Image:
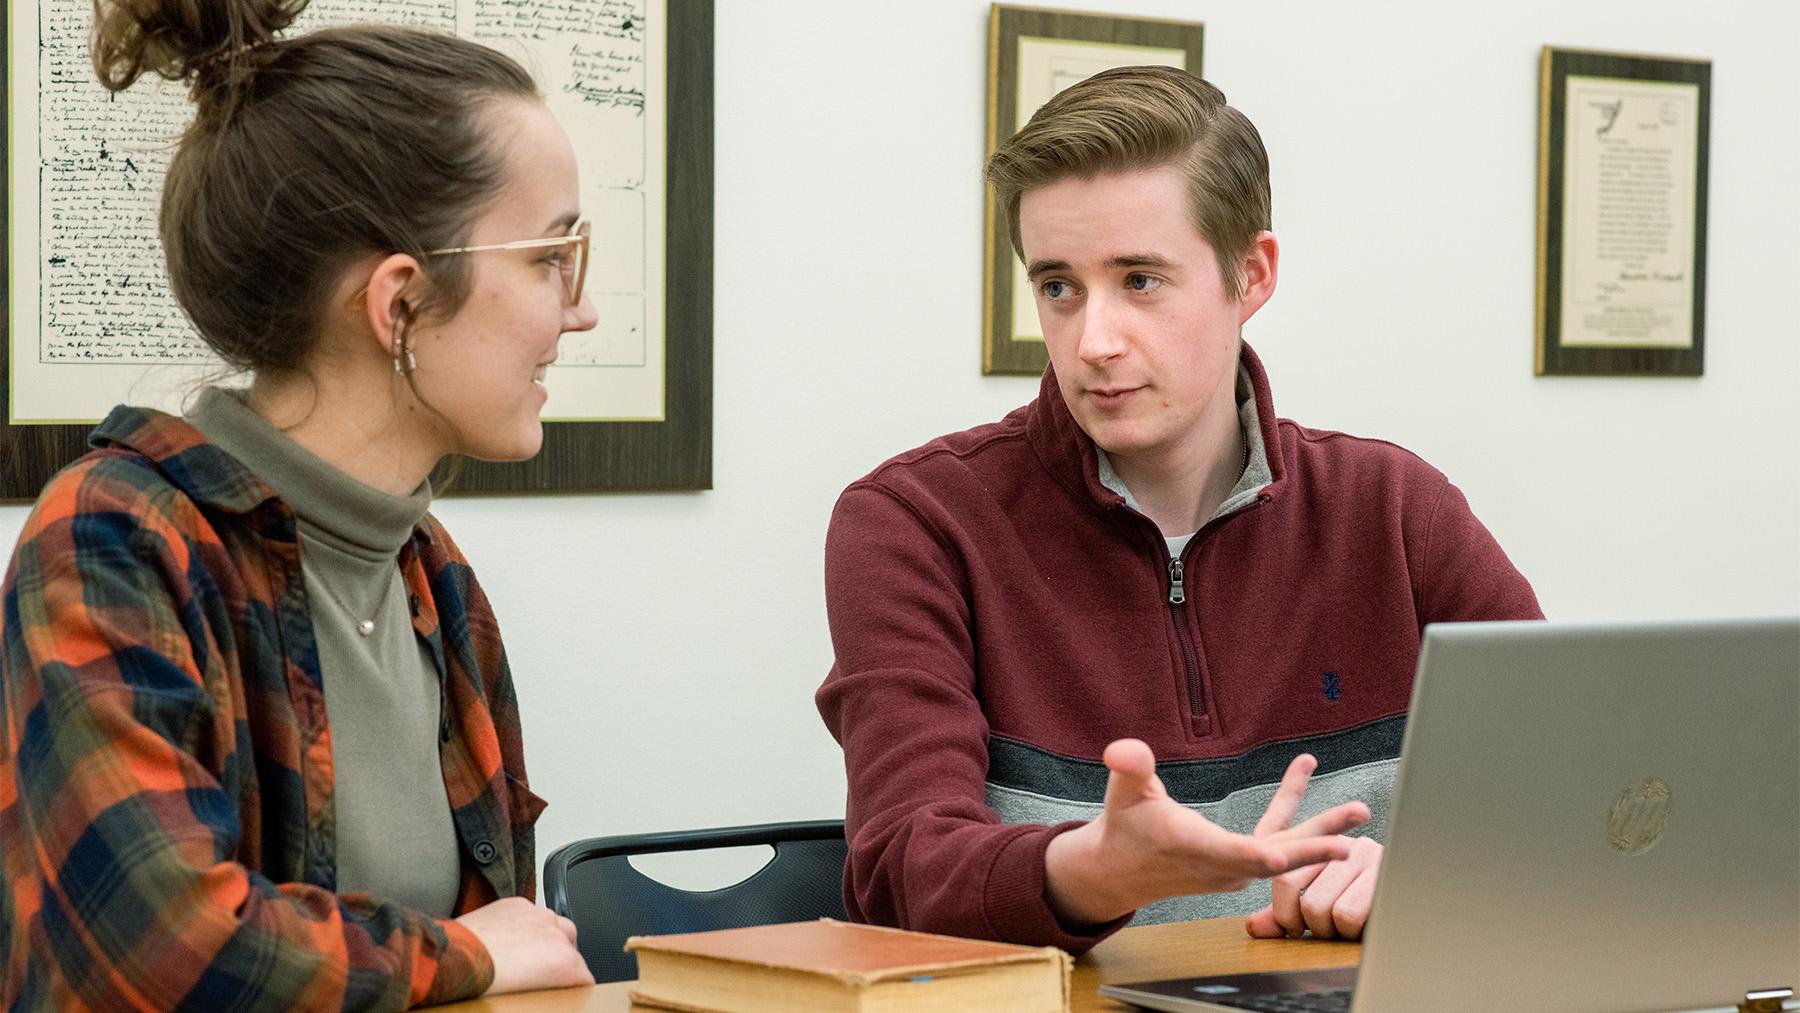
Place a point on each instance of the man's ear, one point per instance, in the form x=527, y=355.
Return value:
x=392, y=295
x=1257, y=272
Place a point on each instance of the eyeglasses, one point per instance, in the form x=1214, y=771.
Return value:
x=573, y=265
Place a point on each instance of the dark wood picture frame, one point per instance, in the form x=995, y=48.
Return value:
x=672, y=454
x=1552, y=356
x=1006, y=24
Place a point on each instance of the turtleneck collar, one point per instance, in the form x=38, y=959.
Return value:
x=356, y=518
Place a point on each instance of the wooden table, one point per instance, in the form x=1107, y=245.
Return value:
x=1215, y=946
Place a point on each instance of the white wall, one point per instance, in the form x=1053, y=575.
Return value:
x=667, y=646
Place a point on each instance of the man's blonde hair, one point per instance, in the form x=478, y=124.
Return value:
x=1133, y=118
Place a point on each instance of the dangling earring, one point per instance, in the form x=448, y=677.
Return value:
x=404, y=363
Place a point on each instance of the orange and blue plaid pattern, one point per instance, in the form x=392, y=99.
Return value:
x=166, y=781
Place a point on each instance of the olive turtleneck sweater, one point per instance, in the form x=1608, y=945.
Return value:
x=394, y=832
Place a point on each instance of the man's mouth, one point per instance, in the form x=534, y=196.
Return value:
x=1108, y=397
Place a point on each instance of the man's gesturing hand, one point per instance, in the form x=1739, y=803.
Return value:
x=1145, y=846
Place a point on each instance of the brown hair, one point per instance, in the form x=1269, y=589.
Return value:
x=306, y=153
x=1132, y=118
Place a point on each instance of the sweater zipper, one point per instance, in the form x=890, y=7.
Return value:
x=1178, y=616
x=1190, y=658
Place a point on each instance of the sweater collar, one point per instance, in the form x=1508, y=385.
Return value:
x=1069, y=455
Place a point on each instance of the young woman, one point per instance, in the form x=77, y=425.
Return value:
x=261, y=747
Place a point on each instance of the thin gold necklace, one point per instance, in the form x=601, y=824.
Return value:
x=366, y=627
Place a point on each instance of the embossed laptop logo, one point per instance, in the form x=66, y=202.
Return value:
x=1639, y=816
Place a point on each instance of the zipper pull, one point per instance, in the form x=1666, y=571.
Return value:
x=1177, y=592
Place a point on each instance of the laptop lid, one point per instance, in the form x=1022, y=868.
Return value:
x=1593, y=816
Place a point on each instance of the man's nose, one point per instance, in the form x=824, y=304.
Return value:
x=1102, y=337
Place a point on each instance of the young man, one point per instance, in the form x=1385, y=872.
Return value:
x=1089, y=655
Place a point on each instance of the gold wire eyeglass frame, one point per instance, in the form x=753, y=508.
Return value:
x=574, y=270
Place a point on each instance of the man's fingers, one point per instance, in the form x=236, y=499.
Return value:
x=1321, y=896
x=1287, y=797
x=1228, y=863
x=1293, y=854
x=1133, y=773
x=1262, y=925
x=1286, y=890
x=1335, y=820
x=1351, y=914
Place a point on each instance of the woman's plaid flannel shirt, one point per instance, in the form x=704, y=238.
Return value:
x=166, y=816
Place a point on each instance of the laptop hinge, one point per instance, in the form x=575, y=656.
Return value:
x=1765, y=1000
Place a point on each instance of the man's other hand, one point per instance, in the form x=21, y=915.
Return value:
x=1332, y=899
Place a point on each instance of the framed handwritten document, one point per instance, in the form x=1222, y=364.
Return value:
x=1034, y=53
x=1622, y=154
x=91, y=322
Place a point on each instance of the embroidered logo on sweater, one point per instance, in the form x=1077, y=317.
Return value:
x=1333, y=689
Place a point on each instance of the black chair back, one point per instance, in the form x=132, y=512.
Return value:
x=592, y=883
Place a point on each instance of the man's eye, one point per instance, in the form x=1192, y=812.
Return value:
x=1142, y=283
x=1055, y=289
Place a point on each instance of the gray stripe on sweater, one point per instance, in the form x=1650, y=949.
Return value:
x=1016, y=764
x=1372, y=783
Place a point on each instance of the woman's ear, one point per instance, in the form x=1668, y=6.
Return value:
x=392, y=293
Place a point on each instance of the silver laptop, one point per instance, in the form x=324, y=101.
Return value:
x=1587, y=817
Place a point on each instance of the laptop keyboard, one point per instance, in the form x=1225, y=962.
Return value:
x=1331, y=1000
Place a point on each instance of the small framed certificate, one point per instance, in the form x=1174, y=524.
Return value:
x=1032, y=55
x=1622, y=150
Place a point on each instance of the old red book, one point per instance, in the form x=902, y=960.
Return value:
x=830, y=966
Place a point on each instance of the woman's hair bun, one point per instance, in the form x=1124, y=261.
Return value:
x=182, y=40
